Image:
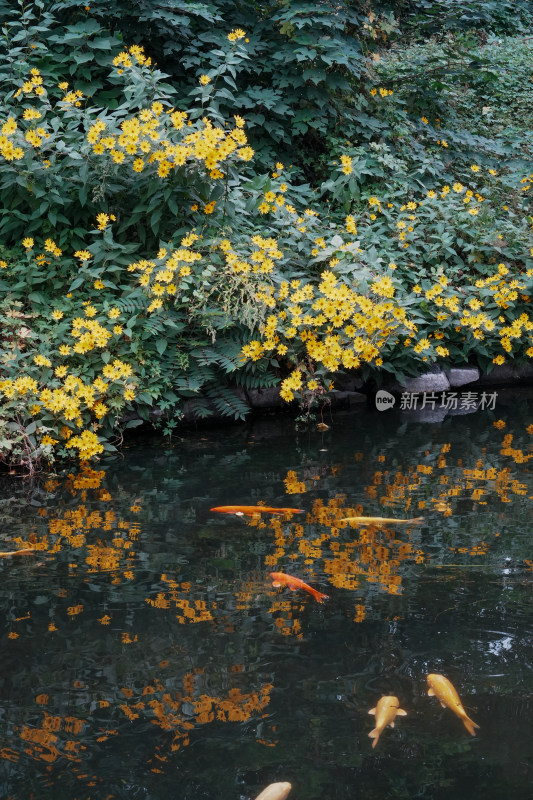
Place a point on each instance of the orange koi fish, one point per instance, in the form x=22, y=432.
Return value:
x=282, y=579
x=249, y=511
x=275, y=791
x=382, y=521
x=441, y=688
x=387, y=709
x=25, y=552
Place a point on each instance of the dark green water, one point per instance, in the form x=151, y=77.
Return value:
x=145, y=653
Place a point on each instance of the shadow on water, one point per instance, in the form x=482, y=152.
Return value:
x=146, y=653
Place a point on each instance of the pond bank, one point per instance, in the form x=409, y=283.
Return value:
x=439, y=391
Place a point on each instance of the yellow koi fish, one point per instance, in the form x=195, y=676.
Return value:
x=276, y=791
x=382, y=521
x=387, y=709
x=249, y=511
x=26, y=552
x=441, y=688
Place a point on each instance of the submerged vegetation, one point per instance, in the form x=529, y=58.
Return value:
x=182, y=219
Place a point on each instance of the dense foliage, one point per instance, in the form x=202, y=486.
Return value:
x=250, y=195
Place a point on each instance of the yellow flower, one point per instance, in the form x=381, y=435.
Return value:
x=27, y=243
x=83, y=255
x=205, y=79
x=102, y=220
x=236, y=34
x=57, y=314
x=42, y=361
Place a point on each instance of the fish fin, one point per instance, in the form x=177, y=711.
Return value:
x=276, y=583
x=443, y=704
x=372, y=711
x=292, y=588
x=431, y=693
x=469, y=725
x=239, y=514
x=375, y=736
x=391, y=724
x=401, y=713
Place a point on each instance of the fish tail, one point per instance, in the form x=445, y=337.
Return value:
x=320, y=596
x=375, y=734
x=469, y=724
x=417, y=520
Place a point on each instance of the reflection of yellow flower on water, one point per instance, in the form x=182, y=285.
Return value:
x=293, y=485
x=499, y=424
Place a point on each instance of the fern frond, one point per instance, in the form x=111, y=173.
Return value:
x=227, y=402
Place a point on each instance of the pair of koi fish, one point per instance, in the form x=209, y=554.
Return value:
x=388, y=707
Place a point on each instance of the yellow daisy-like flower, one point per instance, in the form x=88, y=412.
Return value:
x=102, y=220
x=83, y=255
x=205, y=79
x=42, y=361
x=57, y=314
x=28, y=243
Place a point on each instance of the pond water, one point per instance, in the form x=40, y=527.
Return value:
x=146, y=654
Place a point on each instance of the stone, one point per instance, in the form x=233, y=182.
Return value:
x=506, y=374
x=434, y=381
x=459, y=376
x=265, y=398
x=348, y=383
x=347, y=398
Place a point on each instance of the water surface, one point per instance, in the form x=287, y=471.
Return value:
x=146, y=654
